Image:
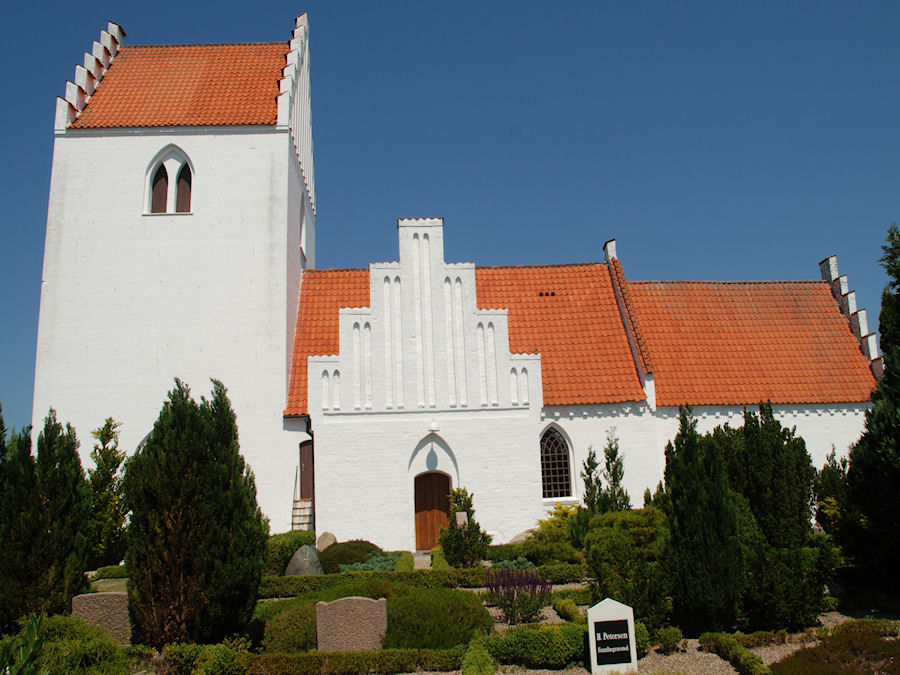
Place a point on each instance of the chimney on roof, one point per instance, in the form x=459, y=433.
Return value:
x=609, y=250
x=846, y=299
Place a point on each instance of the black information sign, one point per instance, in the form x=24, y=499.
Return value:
x=612, y=642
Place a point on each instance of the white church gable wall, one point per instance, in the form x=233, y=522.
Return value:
x=131, y=300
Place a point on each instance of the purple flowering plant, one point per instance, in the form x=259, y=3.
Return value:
x=519, y=594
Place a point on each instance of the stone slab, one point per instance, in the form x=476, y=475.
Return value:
x=304, y=561
x=325, y=540
x=108, y=610
x=351, y=624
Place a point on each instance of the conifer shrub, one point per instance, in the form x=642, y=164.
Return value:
x=627, y=553
x=377, y=562
x=498, y=552
x=520, y=563
x=346, y=553
x=108, y=511
x=641, y=639
x=197, y=538
x=463, y=545
x=478, y=660
x=669, y=639
x=281, y=547
x=540, y=645
x=549, y=543
x=727, y=647
x=72, y=645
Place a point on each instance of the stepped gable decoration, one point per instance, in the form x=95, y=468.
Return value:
x=294, y=103
x=88, y=76
x=840, y=289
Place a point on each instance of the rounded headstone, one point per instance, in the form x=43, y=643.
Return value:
x=304, y=561
x=325, y=540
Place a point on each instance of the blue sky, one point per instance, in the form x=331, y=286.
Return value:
x=712, y=140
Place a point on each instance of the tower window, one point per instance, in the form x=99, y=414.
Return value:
x=183, y=191
x=160, y=190
x=555, y=465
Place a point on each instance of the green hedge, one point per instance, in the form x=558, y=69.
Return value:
x=568, y=610
x=417, y=617
x=288, y=587
x=405, y=563
x=504, y=552
x=540, y=645
x=351, y=663
x=478, y=660
x=346, y=553
x=727, y=646
x=111, y=572
x=280, y=548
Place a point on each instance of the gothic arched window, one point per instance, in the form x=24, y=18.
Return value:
x=169, y=182
x=183, y=191
x=555, y=475
x=160, y=190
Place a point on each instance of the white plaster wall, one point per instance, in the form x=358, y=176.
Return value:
x=130, y=301
x=366, y=464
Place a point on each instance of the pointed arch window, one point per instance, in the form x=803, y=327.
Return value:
x=183, y=191
x=159, y=190
x=555, y=474
x=169, y=182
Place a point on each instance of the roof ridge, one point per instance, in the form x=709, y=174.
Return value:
x=640, y=350
x=210, y=44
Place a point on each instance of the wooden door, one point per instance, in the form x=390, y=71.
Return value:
x=307, y=471
x=432, y=508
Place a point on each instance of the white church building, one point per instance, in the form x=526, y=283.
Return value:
x=181, y=243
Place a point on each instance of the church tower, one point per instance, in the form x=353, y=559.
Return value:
x=181, y=216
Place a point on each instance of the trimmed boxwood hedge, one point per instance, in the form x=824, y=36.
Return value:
x=287, y=587
x=727, y=646
x=351, y=663
x=111, y=572
x=540, y=645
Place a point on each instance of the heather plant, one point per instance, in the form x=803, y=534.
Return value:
x=519, y=594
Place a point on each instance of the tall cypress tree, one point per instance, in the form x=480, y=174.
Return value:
x=107, y=504
x=196, y=537
x=874, y=472
x=706, y=557
x=65, y=515
x=20, y=528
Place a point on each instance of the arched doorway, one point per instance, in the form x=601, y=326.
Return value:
x=432, y=491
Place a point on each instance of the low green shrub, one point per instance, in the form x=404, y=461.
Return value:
x=478, y=660
x=563, y=573
x=669, y=639
x=519, y=594
x=352, y=663
x=762, y=637
x=727, y=647
x=377, y=562
x=288, y=587
x=438, y=561
x=230, y=657
x=72, y=645
x=568, y=610
x=641, y=639
x=549, y=544
x=540, y=645
x=18, y=653
x=438, y=618
x=503, y=552
x=111, y=572
x=870, y=625
x=346, y=553
x=280, y=548
x=580, y=596
x=179, y=658
x=405, y=563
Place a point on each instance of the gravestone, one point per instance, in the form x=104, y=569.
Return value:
x=350, y=624
x=107, y=610
x=611, y=637
x=304, y=561
x=325, y=540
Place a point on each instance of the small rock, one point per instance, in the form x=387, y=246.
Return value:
x=325, y=540
x=522, y=536
x=304, y=561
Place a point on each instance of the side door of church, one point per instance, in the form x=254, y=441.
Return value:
x=432, y=508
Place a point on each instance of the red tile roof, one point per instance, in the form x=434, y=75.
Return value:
x=322, y=294
x=188, y=85
x=726, y=343
x=575, y=326
x=735, y=343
